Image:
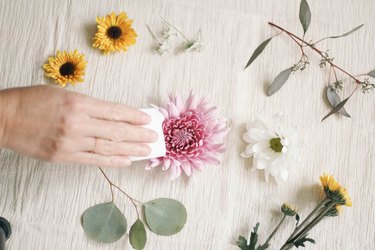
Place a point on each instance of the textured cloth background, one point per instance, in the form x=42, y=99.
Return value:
x=44, y=202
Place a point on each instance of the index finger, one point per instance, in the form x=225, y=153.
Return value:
x=116, y=112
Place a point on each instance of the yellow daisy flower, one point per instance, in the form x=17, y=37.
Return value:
x=114, y=33
x=66, y=67
x=288, y=209
x=335, y=191
x=334, y=211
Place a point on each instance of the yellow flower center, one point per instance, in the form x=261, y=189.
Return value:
x=67, y=69
x=114, y=32
x=275, y=144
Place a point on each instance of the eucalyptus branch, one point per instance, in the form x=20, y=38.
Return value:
x=311, y=46
x=122, y=191
x=333, y=98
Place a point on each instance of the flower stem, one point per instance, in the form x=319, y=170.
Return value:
x=153, y=35
x=296, y=39
x=303, y=223
x=275, y=230
x=313, y=223
x=287, y=246
x=170, y=25
x=111, y=184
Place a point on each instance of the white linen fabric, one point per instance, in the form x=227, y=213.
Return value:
x=44, y=202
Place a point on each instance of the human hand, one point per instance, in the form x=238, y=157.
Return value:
x=56, y=125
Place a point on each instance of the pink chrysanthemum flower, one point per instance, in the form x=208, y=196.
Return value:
x=192, y=136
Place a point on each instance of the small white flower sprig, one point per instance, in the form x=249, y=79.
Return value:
x=274, y=147
x=169, y=36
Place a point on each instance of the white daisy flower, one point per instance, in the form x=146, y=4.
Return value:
x=274, y=147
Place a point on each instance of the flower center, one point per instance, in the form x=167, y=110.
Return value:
x=67, y=69
x=114, y=32
x=275, y=144
x=184, y=135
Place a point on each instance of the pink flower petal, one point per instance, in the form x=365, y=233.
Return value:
x=193, y=136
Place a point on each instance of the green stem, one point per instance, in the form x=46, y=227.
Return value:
x=313, y=223
x=275, y=230
x=153, y=35
x=303, y=223
x=170, y=25
x=287, y=246
x=110, y=183
x=122, y=191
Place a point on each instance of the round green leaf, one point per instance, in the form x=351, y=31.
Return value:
x=165, y=216
x=137, y=235
x=104, y=222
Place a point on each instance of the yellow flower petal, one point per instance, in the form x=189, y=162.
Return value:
x=117, y=41
x=73, y=63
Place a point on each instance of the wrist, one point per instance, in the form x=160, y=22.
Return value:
x=6, y=113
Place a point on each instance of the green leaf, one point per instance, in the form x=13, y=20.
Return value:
x=371, y=73
x=297, y=219
x=137, y=235
x=244, y=245
x=347, y=33
x=254, y=236
x=336, y=108
x=279, y=81
x=300, y=242
x=304, y=15
x=263, y=247
x=165, y=216
x=104, y=222
x=334, y=100
x=257, y=51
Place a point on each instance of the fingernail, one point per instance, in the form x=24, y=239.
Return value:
x=144, y=150
x=154, y=136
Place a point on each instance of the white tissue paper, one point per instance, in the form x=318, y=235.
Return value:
x=157, y=148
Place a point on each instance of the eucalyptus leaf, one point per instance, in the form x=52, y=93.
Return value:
x=371, y=73
x=165, y=216
x=279, y=81
x=257, y=51
x=334, y=100
x=137, y=235
x=304, y=15
x=336, y=108
x=104, y=222
x=345, y=34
